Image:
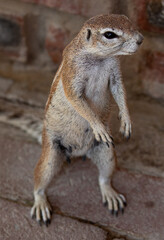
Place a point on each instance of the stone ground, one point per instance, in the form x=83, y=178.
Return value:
x=78, y=212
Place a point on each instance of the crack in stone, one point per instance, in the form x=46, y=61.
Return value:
x=111, y=234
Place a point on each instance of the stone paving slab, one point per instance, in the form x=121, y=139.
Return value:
x=76, y=192
x=17, y=224
x=18, y=156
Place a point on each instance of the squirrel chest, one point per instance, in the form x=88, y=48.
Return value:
x=97, y=83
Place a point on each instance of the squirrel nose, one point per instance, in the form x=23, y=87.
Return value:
x=140, y=40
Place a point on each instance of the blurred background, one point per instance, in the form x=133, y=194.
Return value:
x=33, y=34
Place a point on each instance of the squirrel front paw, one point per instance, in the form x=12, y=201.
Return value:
x=101, y=134
x=125, y=127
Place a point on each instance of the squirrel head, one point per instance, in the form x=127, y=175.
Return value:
x=110, y=35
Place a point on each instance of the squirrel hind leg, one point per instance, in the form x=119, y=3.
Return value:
x=105, y=159
x=48, y=166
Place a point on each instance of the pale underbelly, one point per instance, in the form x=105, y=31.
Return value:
x=72, y=130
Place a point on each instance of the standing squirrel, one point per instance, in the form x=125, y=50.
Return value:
x=77, y=112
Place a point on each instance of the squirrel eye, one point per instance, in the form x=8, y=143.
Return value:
x=110, y=35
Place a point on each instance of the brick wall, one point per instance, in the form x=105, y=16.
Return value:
x=33, y=34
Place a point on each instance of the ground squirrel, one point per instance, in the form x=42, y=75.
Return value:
x=77, y=112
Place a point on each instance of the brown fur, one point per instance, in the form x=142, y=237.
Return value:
x=52, y=91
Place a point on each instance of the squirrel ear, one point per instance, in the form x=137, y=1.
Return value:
x=88, y=34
